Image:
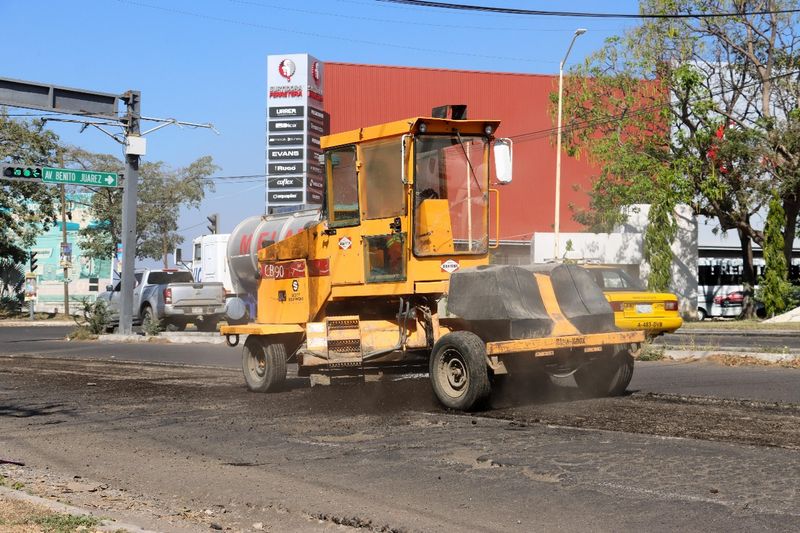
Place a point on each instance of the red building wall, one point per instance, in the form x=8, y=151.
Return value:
x=363, y=95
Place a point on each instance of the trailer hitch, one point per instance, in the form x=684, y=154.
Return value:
x=234, y=343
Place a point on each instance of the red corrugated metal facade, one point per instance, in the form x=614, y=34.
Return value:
x=362, y=95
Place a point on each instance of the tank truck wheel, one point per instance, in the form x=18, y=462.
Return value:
x=458, y=371
x=263, y=364
x=606, y=376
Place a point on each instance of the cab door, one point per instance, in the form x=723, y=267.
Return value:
x=342, y=238
x=384, y=217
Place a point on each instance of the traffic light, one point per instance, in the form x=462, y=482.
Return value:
x=213, y=227
x=33, y=261
x=22, y=172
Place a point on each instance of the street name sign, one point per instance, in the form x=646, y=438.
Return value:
x=80, y=177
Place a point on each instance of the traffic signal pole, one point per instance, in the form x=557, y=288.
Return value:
x=129, y=200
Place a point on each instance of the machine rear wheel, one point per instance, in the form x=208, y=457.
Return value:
x=263, y=364
x=606, y=376
x=458, y=371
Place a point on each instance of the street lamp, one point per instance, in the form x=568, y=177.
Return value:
x=557, y=224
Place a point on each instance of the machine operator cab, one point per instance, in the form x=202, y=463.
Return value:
x=407, y=203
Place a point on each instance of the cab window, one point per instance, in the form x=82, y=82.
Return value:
x=342, y=199
x=381, y=167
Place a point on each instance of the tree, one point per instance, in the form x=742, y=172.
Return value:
x=690, y=110
x=775, y=287
x=163, y=192
x=26, y=209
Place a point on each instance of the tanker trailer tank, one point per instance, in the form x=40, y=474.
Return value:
x=247, y=238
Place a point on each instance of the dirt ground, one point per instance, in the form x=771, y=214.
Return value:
x=189, y=449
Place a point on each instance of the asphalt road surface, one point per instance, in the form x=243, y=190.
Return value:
x=679, y=378
x=692, y=447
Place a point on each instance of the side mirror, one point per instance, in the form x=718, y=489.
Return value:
x=503, y=159
x=109, y=288
x=178, y=255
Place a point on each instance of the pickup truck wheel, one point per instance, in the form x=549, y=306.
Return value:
x=458, y=371
x=263, y=364
x=606, y=376
x=149, y=316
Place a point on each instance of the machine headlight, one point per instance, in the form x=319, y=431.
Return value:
x=488, y=129
x=423, y=127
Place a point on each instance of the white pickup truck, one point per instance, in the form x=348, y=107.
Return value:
x=171, y=297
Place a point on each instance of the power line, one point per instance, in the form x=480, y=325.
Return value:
x=351, y=17
x=579, y=14
x=324, y=36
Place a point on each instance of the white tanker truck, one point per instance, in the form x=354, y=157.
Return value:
x=242, y=255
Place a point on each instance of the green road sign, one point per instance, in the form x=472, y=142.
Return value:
x=80, y=177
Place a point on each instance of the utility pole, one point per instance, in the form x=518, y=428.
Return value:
x=64, y=245
x=129, y=200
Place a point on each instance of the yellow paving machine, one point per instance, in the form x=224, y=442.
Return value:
x=394, y=276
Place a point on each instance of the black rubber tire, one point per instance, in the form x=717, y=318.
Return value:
x=606, y=376
x=701, y=314
x=458, y=371
x=263, y=364
x=175, y=326
x=149, y=315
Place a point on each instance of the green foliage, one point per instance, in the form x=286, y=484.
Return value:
x=775, y=288
x=94, y=316
x=12, y=280
x=661, y=231
x=690, y=111
x=65, y=523
x=26, y=209
x=151, y=327
x=163, y=192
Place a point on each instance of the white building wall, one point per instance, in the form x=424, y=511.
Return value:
x=626, y=248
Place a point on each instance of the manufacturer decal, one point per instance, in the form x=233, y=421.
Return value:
x=295, y=285
x=345, y=243
x=450, y=266
x=286, y=69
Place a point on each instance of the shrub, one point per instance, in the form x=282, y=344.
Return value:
x=94, y=317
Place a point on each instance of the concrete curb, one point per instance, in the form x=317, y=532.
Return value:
x=35, y=323
x=167, y=337
x=739, y=333
x=105, y=524
x=683, y=355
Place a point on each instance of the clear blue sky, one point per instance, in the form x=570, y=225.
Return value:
x=205, y=61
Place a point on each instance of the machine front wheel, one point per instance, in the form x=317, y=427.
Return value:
x=606, y=376
x=458, y=371
x=263, y=364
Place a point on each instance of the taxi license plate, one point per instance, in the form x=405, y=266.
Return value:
x=197, y=310
x=644, y=308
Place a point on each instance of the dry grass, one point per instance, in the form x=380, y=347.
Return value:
x=740, y=325
x=23, y=517
x=737, y=360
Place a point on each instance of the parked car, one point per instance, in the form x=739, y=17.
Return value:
x=636, y=308
x=173, y=298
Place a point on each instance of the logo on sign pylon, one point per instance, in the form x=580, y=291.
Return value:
x=286, y=69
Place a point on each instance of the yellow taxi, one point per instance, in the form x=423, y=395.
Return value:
x=634, y=307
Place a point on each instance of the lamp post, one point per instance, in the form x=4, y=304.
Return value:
x=557, y=222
